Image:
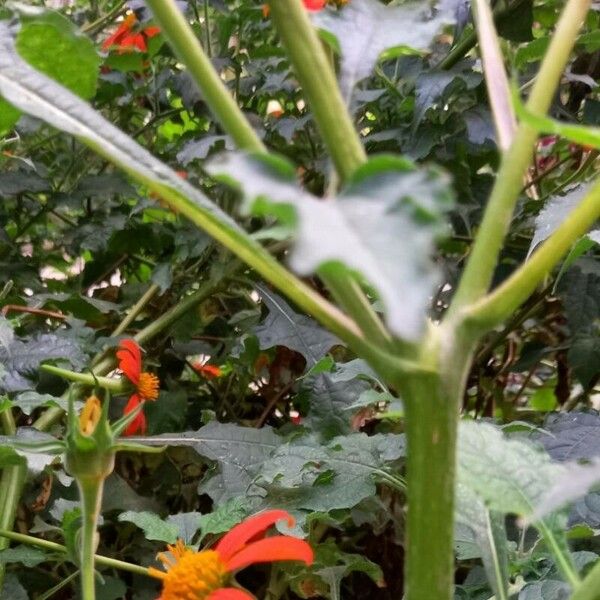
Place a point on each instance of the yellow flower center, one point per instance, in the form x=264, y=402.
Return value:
x=147, y=386
x=90, y=415
x=192, y=575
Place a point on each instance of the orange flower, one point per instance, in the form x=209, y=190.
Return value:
x=125, y=39
x=203, y=575
x=207, y=371
x=146, y=384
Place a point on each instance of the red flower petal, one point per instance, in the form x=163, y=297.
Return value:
x=279, y=547
x=138, y=425
x=314, y=4
x=230, y=594
x=241, y=534
x=133, y=40
x=117, y=37
x=130, y=360
x=152, y=31
x=208, y=371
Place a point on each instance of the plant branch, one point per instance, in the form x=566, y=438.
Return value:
x=501, y=303
x=319, y=83
x=105, y=561
x=317, y=78
x=480, y=267
x=589, y=589
x=189, y=50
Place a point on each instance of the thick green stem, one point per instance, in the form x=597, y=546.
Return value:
x=90, y=492
x=319, y=84
x=189, y=50
x=432, y=404
x=105, y=561
x=480, y=267
x=500, y=304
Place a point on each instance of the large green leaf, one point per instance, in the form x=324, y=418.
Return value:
x=53, y=45
x=305, y=475
x=285, y=327
x=238, y=451
x=364, y=29
x=383, y=225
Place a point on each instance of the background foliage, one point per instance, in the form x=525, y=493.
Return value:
x=291, y=419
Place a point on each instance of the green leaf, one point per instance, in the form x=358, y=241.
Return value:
x=509, y=475
x=187, y=525
x=153, y=526
x=226, y=516
x=238, y=451
x=545, y=590
x=331, y=404
x=384, y=226
x=543, y=399
x=51, y=44
x=553, y=214
x=305, y=475
x=29, y=401
x=26, y=555
x=364, y=29
x=284, y=327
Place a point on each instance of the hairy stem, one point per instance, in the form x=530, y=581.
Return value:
x=479, y=270
x=589, y=589
x=432, y=403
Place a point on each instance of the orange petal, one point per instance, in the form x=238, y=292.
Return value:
x=138, y=425
x=230, y=594
x=314, y=4
x=279, y=547
x=151, y=31
x=130, y=360
x=241, y=534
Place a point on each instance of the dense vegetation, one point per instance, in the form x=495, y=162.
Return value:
x=356, y=242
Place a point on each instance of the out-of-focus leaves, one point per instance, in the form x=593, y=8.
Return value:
x=545, y=590
x=364, y=29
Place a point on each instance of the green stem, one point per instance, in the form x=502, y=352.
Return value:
x=589, y=589
x=10, y=488
x=90, y=492
x=479, y=270
x=136, y=309
x=319, y=84
x=563, y=559
x=502, y=302
x=114, y=385
x=189, y=50
x=105, y=561
x=432, y=404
